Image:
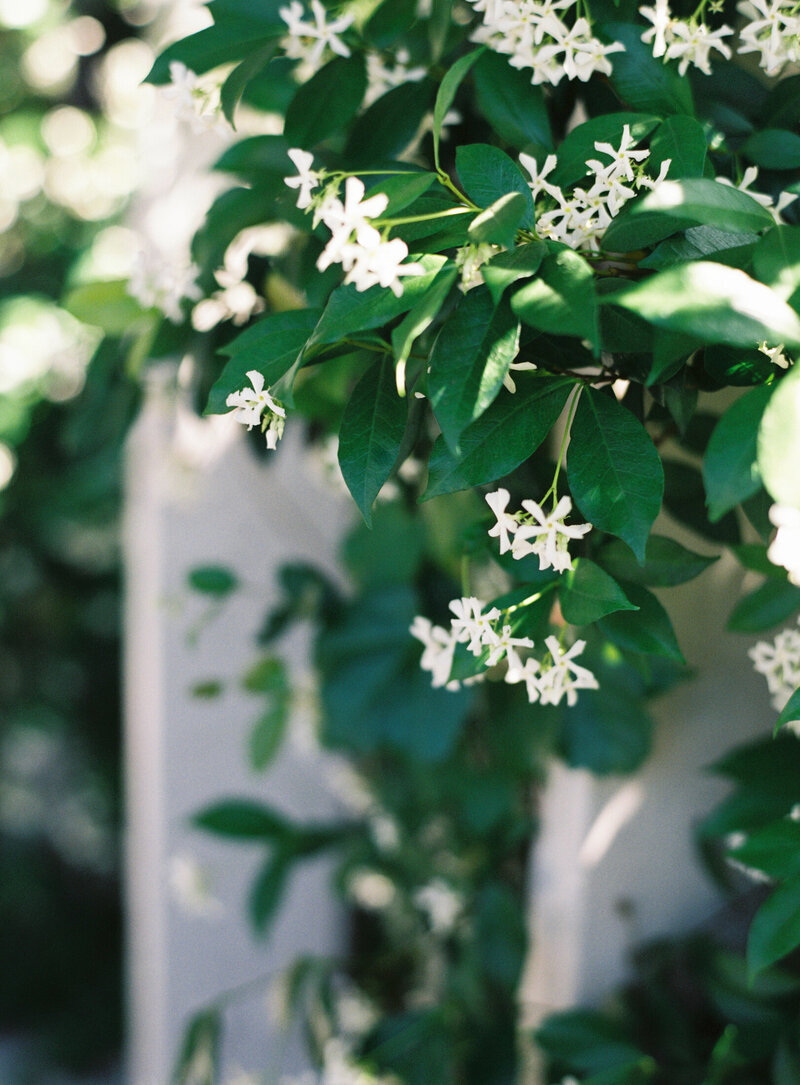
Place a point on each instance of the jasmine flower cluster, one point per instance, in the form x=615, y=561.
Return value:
x=533, y=34
x=580, y=218
x=533, y=531
x=779, y=661
x=548, y=680
x=256, y=407
x=688, y=41
x=365, y=253
x=311, y=41
x=773, y=31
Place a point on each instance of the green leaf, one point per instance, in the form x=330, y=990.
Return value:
x=685, y=499
x=498, y=224
x=767, y=606
x=666, y=562
x=508, y=267
x=782, y=107
x=267, y=733
x=271, y=346
x=419, y=319
x=650, y=630
x=715, y=303
x=606, y=731
x=267, y=891
x=615, y=473
x=403, y=189
x=233, y=212
x=268, y=675
x=234, y=86
x=737, y=366
x=774, y=149
x=213, y=580
x=643, y=81
x=682, y=139
x=487, y=173
x=383, y=131
x=242, y=819
x=373, y=425
x=753, y=556
x=469, y=360
x=199, y=1057
x=587, y=593
x=230, y=39
x=774, y=849
x=776, y=262
x=730, y=471
x=106, y=305
x=374, y=693
x=512, y=106
x=779, y=442
x=504, y=436
x=676, y=205
x=790, y=712
x=775, y=930
x=350, y=311
x=327, y=102
x=562, y=298
x=699, y=242
x=255, y=156
x=445, y=96
x=579, y=144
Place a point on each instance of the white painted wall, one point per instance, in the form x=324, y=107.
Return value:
x=197, y=496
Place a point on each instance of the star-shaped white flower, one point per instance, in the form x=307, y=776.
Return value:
x=251, y=403
x=306, y=180
x=506, y=524
x=564, y=677
x=550, y=533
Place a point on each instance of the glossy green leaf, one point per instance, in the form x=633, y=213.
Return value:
x=715, y=303
x=508, y=267
x=643, y=81
x=486, y=173
x=232, y=38
x=776, y=262
x=512, y=106
x=234, y=86
x=767, y=606
x=685, y=499
x=388, y=126
x=676, y=205
x=403, y=189
x=587, y=593
x=702, y=242
x=199, y=1057
x=614, y=470
x=730, y=471
x=267, y=734
x=774, y=849
x=561, y=299
x=419, y=319
x=267, y=891
x=682, y=140
x=790, y=713
x=737, y=366
x=242, y=819
x=773, y=149
x=255, y=156
x=498, y=224
x=666, y=562
x=606, y=731
x=648, y=630
x=579, y=144
x=445, y=96
x=372, y=429
x=775, y=930
x=504, y=436
x=271, y=346
x=469, y=360
x=753, y=556
x=106, y=305
x=350, y=311
x=327, y=102
x=782, y=107
x=779, y=442
x=213, y=580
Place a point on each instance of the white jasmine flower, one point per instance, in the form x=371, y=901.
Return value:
x=530, y=674
x=470, y=625
x=564, y=677
x=773, y=30
x=371, y=889
x=196, y=101
x=441, y=905
x=692, y=43
x=779, y=662
x=374, y=261
x=661, y=18
x=775, y=354
x=506, y=524
x=504, y=645
x=550, y=533
x=308, y=41
x=439, y=648
x=749, y=178
x=785, y=547
x=537, y=182
x=255, y=406
x=307, y=179
x=381, y=77
x=622, y=157
x=156, y=282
